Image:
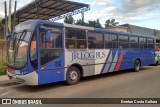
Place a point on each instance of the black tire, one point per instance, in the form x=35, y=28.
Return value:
x=156, y=64
x=72, y=76
x=137, y=65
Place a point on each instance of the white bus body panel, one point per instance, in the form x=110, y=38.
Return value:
x=92, y=61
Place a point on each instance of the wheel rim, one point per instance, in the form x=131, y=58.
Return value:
x=73, y=75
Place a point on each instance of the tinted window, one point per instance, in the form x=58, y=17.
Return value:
x=123, y=42
x=133, y=42
x=95, y=40
x=133, y=39
x=75, y=39
x=52, y=47
x=54, y=42
x=150, y=43
x=75, y=34
x=111, y=41
x=123, y=38
x=142, y=40
x=143, y=43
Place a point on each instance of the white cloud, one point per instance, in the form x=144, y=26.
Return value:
x=100, y=2
x=126, y=11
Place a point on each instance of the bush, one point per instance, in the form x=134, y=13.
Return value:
x=3, y=68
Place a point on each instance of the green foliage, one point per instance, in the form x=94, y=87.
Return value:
x=3, y=68
x=110, y=23
x=69, y=20
x=2, y=26
x=95, y=23
x=90, y=23
x=79, y=22
x=1, y=19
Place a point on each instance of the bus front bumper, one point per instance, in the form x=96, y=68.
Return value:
x=29, y=79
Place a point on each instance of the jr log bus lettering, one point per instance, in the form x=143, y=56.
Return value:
x=88, y=55
x=41, y=52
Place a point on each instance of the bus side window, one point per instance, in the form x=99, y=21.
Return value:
x=111, y=41
x=143, y=43
x=133, y=42
x=95, y=40
x=75, y=39
x=123, y=42
x=150, y=43
x=52, y=47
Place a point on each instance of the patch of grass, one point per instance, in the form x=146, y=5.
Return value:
x=3, y=68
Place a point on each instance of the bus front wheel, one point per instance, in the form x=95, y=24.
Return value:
x=137, y=65
x=72, y=76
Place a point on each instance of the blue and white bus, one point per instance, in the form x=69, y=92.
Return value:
x=41, y=52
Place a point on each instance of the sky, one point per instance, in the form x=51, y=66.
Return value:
x=145, y=13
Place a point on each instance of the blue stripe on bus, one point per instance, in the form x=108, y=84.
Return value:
x=113, y=54
x=105, y=62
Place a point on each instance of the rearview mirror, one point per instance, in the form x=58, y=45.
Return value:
x=8, y=36
x=48, y=36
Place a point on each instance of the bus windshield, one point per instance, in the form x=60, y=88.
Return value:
x=18, y=45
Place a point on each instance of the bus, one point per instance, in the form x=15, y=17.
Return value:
x=41, y=52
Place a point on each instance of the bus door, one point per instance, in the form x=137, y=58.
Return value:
x=51, y=54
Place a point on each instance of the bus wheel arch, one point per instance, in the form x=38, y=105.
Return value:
x=79, y=67
x=73, y=74
x=157, y=62
x=137, y=65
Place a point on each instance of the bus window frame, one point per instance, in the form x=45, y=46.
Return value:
x=39, y=44
x=91, y=40
x=65, y=38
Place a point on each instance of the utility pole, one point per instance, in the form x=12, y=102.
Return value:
x=6, y=24
x=82, y=18
x=9, y=16
x=15, y=6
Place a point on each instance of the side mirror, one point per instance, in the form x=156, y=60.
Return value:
x=48, y=36
x=8, y=36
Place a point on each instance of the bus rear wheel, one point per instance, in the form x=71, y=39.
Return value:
x=156, y=64
x=72, y=76
x=137, y=65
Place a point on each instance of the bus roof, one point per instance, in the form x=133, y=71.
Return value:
x=91, y=28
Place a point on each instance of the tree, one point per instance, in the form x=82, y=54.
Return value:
x=107, y=24
x=91, y=23
x=94, y=24
x=78, y=22
x=69, y=19
x=98, y=25
x=110, y=23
